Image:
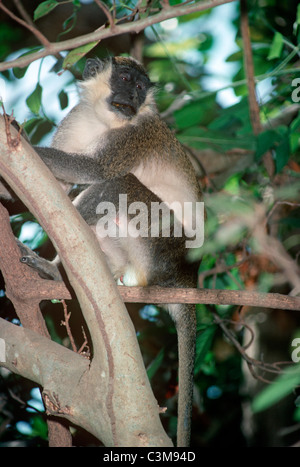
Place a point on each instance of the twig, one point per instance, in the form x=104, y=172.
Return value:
x=251, y=362
x=84, y=345
x=107, y=13
x=66, y=324
x=13, y=143
x=70, y=335
x=219, y=269
x=23, y=403
x=42, y=39
x=274, y=250
x=199, y=162
x=23, y=12
x=279, y=203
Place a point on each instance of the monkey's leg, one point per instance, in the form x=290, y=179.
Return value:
x=128, y=257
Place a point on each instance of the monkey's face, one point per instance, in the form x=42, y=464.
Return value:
x=119, y=85
x=129, y=88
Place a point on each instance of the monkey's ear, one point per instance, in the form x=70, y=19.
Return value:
x=92, y=67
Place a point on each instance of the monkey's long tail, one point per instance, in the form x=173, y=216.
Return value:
x=185, y=320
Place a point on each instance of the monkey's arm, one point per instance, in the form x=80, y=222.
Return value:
x=123, y=149
x=72, y=168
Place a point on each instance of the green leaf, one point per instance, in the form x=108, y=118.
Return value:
x=276, y=46
x=173, y=49
x=155, y=364
x=30, y=125
x=298, y=14
x=232, y=185
x=195, y=112
x=295, y=124
x=42, y=129
x=297, y=415
x=203, y=345
x=39, y=427
x=201, y=138
x=292, y=222
x=233, y=119
x=282, y=154
x=63, y=99
x=77, y=54
x=280, y=388
x=294, y=141
x=36, y=128
x=19, y=72
x=70, y=22
x=265, y=140
x=44, y=8
x=35, y=99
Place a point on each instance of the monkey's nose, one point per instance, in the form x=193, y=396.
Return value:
x=134, y=97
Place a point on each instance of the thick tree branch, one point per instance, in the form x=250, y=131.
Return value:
x=30, y=285
x=100, y=34
x=25, y=289
x=126, y=400
x=72, y=390
x=55, y=368
x=37, y=358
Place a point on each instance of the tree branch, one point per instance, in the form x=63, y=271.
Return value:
x=249, y=71
x=25, y=289
x=75, y=392
x=126, y=403
x=131, y=27
x=30, y=286
x=209, y=297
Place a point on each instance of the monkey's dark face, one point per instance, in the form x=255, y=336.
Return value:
x=129, y=85
x=126, y=80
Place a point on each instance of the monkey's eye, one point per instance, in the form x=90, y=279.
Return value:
x=125, y=77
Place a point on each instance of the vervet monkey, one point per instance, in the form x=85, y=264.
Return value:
x=115, y=142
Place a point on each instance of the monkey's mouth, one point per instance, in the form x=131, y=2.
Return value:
x=126, y=109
